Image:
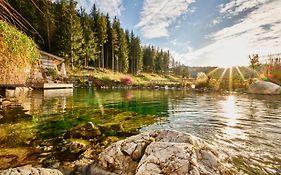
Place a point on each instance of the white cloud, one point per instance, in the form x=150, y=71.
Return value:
x=258, y=32
x=238, y=6
x=158, y=15
x=112, y=7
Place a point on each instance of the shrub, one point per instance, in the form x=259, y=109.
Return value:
x=273, y=73
x=127, y=80
x=201, y=80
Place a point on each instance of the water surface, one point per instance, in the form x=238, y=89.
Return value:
x=246, y=128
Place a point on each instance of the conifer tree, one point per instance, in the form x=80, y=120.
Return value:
x=90, y=45
x=123, y=52
x=102, y=37
x=108, y=44
x=68, y=36
x=89, y=39
x=115, y=45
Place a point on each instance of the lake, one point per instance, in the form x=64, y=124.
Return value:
x=246, y=128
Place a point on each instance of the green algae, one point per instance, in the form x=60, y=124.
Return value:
x=111, y=121
x=62, y=136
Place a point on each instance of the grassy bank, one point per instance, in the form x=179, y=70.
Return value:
x=109, y=78
x=18, y=52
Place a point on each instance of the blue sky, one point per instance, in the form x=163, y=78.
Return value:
x=202, y=32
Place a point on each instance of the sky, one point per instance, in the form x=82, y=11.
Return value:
x=201, y=32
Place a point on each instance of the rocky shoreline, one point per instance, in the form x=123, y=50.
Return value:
x=155, y=152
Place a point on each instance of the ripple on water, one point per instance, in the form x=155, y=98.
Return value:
x=245, y=127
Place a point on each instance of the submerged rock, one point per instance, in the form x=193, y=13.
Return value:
x=159, y=152
x=27, y=170
x=264, y=87
x=83, y=131
x=12, y=157
x=155, y=152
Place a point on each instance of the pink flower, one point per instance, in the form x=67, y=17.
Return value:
x=127, y=80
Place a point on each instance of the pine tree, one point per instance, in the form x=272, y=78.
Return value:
x=40, y=14
x=132, y=53
x=139, y=56
x=135, y=54
x=47, y=29
x=89, y=39
x=68, y=37
x=76, y=35
x=159, y=61
x=61, y=37
x=166, y=60
x=90, y=45
x=108, y=44
x=115, y=45
x=123, y=52
x=102, y=37
x=153, y=58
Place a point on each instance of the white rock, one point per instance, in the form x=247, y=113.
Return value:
x=161, y=152
x=27, y=170
x=264, y=87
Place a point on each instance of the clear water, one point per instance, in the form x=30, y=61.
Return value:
x=247, y=128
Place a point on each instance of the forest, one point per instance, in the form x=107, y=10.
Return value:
x=90, y=39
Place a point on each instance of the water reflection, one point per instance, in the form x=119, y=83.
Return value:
x=230, y=111
x=245, y=127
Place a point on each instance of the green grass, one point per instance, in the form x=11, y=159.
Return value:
x=142, y=79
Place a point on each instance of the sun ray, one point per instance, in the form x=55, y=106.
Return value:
x=213, y=71
x=100, y=103
x=221, y=77
x=230, y=81
x=240, y=73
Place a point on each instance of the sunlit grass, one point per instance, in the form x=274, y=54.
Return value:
x=221, y=77
x=213, y=71
x=240, y=73
x=230, y=79
x=139, y=79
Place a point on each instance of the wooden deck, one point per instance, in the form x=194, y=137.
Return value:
x=53, y=86
x=11, y=86
x=38, y=86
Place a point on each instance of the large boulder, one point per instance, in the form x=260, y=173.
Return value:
x=27, y=170
x=159, y=152
x=264, y=87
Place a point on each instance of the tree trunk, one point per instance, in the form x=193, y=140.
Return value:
x=102, y=58
x=112, y=62
x=116, y=61
x=86, y=61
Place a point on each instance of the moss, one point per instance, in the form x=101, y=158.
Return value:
x=18, y=53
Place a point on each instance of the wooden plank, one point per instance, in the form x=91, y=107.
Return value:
x=51, y=55
x=11, y=86
x=50, y=93
x=56, y=86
